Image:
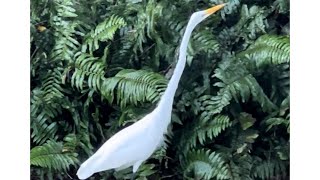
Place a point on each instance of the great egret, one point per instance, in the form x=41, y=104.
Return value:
x=134, y=144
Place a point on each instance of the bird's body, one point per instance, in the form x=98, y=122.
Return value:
x=129, y=147
x=134, y=144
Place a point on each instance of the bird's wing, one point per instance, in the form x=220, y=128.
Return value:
x=129, y=145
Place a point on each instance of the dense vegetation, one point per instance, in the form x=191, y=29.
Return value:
x=98, y=66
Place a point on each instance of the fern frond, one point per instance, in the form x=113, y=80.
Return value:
x=52, y=86
x=122, y=53
x=42, y=126
x=237, y=83
x=65, y=8
x=65, y=47
x=205, y=41
x=133, y=86
x=255, y=20
x=144, y=24
x=252, y=23
x=273, y=122
x=205, y=164
x=202, y=130
x=268, y=49
x=103, y=32
x=274, y=169
x=66, y=43
x=212, y=128
x=280, y=79
x=89, y=71
x=241, y=167
x=52, y=155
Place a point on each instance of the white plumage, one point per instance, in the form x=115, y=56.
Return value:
x=134, y=144
x=129, y=147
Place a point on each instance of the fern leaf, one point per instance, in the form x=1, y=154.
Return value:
x=64, y=31
x=241, y=167
x=237, y=82
x=133, y=86
x=205, y=165
x=52, y=155
x=52, y=86
x=203, y=132
x=270, y=169
x=89, y=71
x=273, y=122
x=268, y=49
x=42, y=126
x=205, y=41
x=103, y=32
x=213, y=128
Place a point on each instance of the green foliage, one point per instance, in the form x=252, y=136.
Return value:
x=88, y=70
x=202, y=131
x=53, y=155
x=144, y=171
x=205, y=165
x=104, y=31
x=237, y=82
x=63, y=27
x=268, y=50
x=131, y=86
x=269, y=170
x=98, y=66
x=42, y=114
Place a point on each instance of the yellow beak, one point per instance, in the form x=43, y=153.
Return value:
x=214, y=9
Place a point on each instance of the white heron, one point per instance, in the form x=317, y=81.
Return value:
x=134, y=144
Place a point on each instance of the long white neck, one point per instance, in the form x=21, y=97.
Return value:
x=168, y=96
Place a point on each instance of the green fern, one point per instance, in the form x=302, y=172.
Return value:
x=237, y=83
x=205, y=165
x=252, y=23
x=42, y=126
x=214, y=128
x=205, y=41
x=273, y=122
x=280, y=118
x=51, y=86
x=144, y=172
x=268, y=49
x=89, y=71
x=64, y=32
x=280, y=82
x=46, y=106
x=240, y=167
x=203, y=131
x=65, y=9
x=104, y=31
x=202, y=41
x=270, y=170
x=53, y=156
x=145, y=23
x=129, y=86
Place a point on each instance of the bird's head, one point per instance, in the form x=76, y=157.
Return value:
x=199, y=16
